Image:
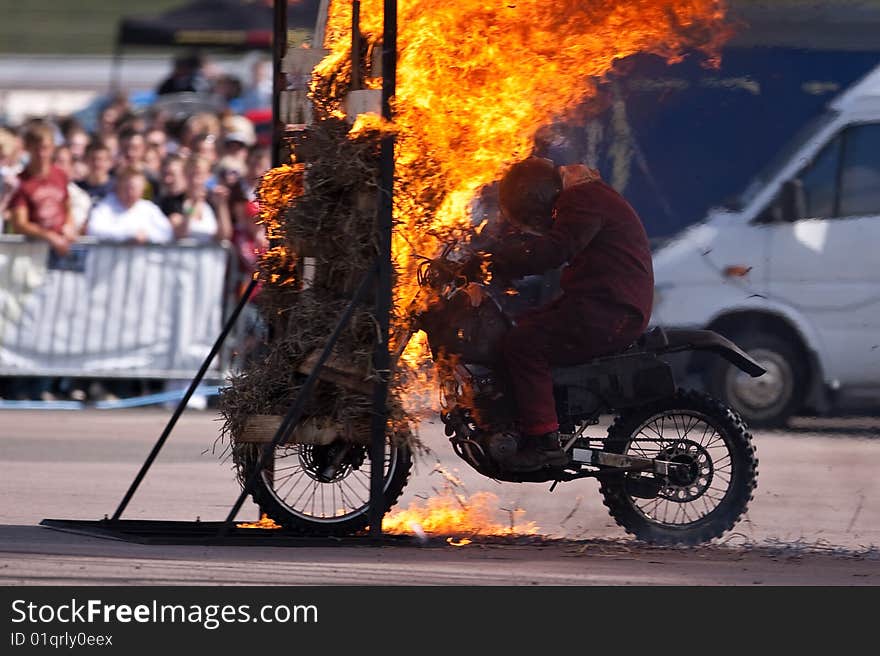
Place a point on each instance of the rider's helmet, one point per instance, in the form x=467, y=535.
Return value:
x=528, y=192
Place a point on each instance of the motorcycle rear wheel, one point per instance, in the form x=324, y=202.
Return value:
x=296, y=494
x=711, y=493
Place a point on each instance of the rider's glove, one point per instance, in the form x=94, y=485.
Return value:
x=474, y=267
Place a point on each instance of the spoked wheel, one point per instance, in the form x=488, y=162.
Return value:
x=703, y=497
x=325, y=489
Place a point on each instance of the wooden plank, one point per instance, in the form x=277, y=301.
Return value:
x=339, y=372
x=261, y=429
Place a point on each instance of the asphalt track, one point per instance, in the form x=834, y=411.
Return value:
x=815, y=519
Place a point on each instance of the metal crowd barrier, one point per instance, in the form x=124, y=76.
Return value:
x=115, y=310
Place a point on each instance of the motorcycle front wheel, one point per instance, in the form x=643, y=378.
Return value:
x=702, y=499
x=324, y=490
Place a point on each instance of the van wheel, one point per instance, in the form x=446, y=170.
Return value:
x=769, y=400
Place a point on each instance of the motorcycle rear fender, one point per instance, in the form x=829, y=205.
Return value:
x=703, y=340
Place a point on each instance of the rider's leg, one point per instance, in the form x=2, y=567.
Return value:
x=528, y=365
x=565, y=333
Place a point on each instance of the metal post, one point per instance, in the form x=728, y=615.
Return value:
x=189, y=392
x=279, y=50
x=382, y=356
x=355, y=45
x=296, y=409
x=321, y=24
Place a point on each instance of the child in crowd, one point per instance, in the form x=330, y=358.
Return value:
x=98, y=182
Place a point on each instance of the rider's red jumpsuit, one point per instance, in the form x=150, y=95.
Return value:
x=607, y=285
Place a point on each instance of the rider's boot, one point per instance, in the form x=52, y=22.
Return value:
x=536, y=452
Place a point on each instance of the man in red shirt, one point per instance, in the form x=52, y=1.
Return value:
x=40, y=207
x=567, y=216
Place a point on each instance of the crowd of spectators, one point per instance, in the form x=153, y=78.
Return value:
x=138, y=175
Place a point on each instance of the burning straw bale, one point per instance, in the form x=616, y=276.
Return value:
x=321, y=210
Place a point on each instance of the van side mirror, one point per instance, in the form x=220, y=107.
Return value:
x=792, y=201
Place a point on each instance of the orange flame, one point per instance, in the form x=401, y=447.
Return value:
x=450, y=514
x=265, y=522
x=278, y=188
x=452, y=511
x=476, y=80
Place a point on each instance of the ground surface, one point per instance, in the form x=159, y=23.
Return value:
x=815, y=518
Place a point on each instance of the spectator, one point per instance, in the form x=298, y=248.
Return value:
x=162, y=120
x=227, y=88
x=111, y=142
x=80, y=201
x=153, y=168
x=172, y=185
x=132, y=147
x=111, y=117
x=238, y=135
x=259, y=160
x=41, y=205
x=125, y=216
x=231, y=173
x=187, y=75
x=228, y=181
x=132, y=154
x=198, y=218
x=249, y=235
x=40, y=209
x=77, y=139
x=98, y=183
x=257, y=93
x=157, y=140
x=10, y=168
x=197, y=125
x=134, y=123
x=204, y=147
x=249, y=238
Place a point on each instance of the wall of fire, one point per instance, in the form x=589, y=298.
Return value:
x=679, y=139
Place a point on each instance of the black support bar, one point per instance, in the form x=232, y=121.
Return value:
x=382, y=356
x=279, y=79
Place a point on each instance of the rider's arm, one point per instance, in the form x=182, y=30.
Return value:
x=577, y=222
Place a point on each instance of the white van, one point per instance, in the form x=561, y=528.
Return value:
x=791, y=273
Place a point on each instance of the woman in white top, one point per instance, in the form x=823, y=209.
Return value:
x=198, y=218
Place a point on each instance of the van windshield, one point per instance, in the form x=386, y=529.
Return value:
x=772, y=168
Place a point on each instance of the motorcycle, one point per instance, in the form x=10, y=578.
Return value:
x=675, y=466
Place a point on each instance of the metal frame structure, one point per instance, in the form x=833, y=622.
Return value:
x=381, y=272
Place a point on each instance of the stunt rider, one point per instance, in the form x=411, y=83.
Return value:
x=567, y=216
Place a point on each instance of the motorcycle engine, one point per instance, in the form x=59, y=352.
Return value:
x=481, y=395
